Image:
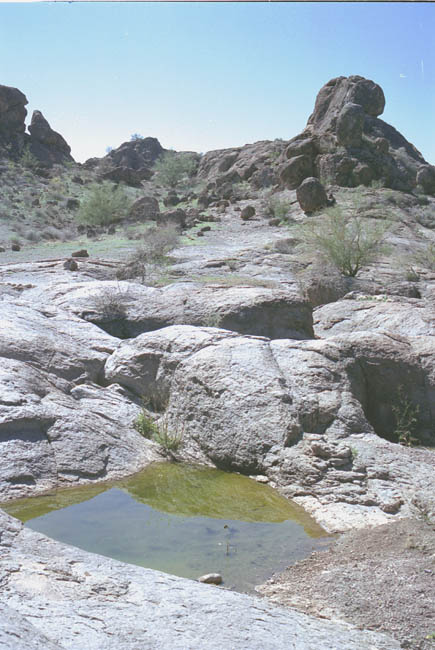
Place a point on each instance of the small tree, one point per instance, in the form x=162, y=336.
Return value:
x=173, y=168
x=136, y=136
x=104, y=204
x=347, y=243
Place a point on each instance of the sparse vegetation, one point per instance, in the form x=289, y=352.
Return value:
x=406, y=416
x=425, y=256
x=346, y=243
x=173, y=168
x=160, y=432
x=111, y=304
x=278, y=207
x=156, y=243
x=103, y=205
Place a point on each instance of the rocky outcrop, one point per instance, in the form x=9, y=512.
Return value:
x=85, y=600
x=54, y=434
x=47, y=145
x=44, y=144
x=130, y=163
x=12, y=115
x=361, y=312
x=345, y=143
x=53, y=340
x=255, y=163
x=304, y=413
x=261, y=311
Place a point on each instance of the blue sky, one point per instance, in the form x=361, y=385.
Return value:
x=202, y=76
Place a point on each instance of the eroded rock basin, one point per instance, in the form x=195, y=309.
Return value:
x=183, y=520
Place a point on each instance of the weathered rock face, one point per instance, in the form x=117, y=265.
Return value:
x=85, y=600
x=360, y=312
x=12, y=111
x=47, y=145
x=53, y=340
x=12, y=115
x=255, y=163
x=247, y=310
x=295, y=410
x=54, y=434
x=345, y=143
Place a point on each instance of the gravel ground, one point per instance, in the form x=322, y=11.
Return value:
x=380, y=578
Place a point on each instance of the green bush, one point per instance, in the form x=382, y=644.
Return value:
x=104, y=204
x=145, y=425
x=28, y=160
x=172, y=168
x=347, y=243
x=278, y=208
x=160, y=433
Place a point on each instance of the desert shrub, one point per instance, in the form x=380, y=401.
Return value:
x=28, y=160
x=111, y=304
x=426, y=217
x=104, y=204
x=172, y=168
x=152, y=251
x=32, y=235
x=346, y=243
x=278, y=207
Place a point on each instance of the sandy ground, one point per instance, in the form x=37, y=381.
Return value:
x=380, y=578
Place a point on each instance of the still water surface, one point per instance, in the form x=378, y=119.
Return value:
x=182, y=520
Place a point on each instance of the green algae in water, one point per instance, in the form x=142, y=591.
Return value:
x=182, y=520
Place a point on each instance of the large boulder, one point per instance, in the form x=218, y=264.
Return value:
x=350, y=125
x=311, y=195
x=361, y=312
x=144, y=208
x=295, y=171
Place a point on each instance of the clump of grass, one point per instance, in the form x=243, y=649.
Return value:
x=145, y=425
x=160, y=432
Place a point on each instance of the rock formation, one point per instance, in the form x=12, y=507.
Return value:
x=345, y=143
x=131, y=162
x=47, y=146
